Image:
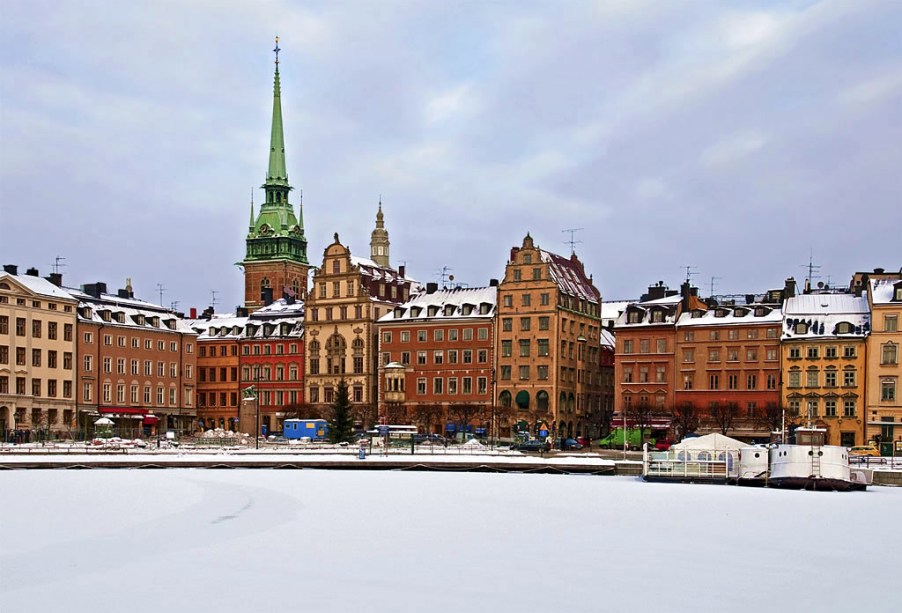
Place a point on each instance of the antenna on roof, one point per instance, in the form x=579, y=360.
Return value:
x=174, y=305
x=572, y=242
x=690, y=271
x=161, y=289
x=213, y=293
x=442, y=274
x=57, y=264
x=713, y=279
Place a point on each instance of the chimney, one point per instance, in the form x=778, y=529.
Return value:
x=514, y=252
x=750, y=298
x=789, y=289
x=207, y=314
x=11, y=269
x=94, y=289
x=493, y=282
x=123, y=293
x=32, y=272
x=56, y=278
x=879, y=271
x=241, y=311
x=685, y=292
x=192, y=313
x=267, y=296
x=402, y=269
x=431, y=288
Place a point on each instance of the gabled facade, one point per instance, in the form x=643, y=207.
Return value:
x=548, y=342
x=348, y=295
x=275, y=263
x=884, y=373
x=37, y=357
x=824, y=350
x=218, y=360
x=440, y=343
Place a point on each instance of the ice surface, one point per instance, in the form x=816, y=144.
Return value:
x=319, y=540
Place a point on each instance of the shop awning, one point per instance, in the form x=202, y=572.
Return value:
x=123, y=410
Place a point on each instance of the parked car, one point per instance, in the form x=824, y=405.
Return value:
x=663, y=444
x=864, y=451
x=583, y=440
x=569, y=444
x=533, y=445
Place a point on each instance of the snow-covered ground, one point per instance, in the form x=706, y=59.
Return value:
x=313, y=540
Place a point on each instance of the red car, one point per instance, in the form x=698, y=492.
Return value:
x=664, y=444
x=582, y=440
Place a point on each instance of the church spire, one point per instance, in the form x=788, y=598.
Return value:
x=379, y=243
x=277, y=174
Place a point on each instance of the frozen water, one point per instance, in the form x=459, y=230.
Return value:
x=316, y=540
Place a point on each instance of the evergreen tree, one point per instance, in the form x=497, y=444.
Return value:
x=341, y=415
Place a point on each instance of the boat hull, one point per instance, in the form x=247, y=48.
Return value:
x=818, y=484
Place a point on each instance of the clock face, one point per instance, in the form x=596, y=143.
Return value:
x=264, y=229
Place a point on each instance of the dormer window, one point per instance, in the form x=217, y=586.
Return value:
x=120, y=317
x=844, y=327
x=398, y=312
x=720, y=313
x=657, y=316
x=105, y=315
x=760, y=312
x=467, y=309
x=415, y=311
x=449, y=310
x=155, y=322
x=801, y=328
x=432, y=311
x=740, y=313
x=484, y=308
x=696, y=314
x=212, y=331
x=236, y=330
x=633, y=317
x=897, y=292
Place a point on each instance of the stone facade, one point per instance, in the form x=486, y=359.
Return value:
x=884, y=373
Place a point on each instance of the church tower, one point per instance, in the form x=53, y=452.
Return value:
x=276, y=258
x=379, y=241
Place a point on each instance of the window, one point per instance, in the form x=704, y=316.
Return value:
x=795, y=378
x=20, y=356
x=660, y=374
x=889, y=354
x=421, y=357
x=437, y=385
x=643, y=374
x=688, y=355
x=542, y=373
x=644, y=345
x=714, y=355
x=543, y=346
x=405, y=336
x=87, y=391
x=733, y=382
x=688, y=336
x=67, y=360
x=662, y=345
x=732, y=335
x=688, y=380
x=813, y=353
x=524, y=348
x=508, y=300
x=752, y=333
x=830, y=407
x=524, y=373
x=482, y=356
x=830, y=378
x=627, y=374
x=89, y=363
x=890, y=323
x=812, y=407
x=811, y=378
x=848, y=378
x=452, y=334
x=505, y=373
x=438, y=357
x=714, y=382
x=67, y=332
x=627, y=346
x=507, y=324
x=438, y=335
x=830, y=352
x=888, y=390
x=752, y=382
x=35, y=357
x=795, y=352
x=36, y=328
x=421, y=336
x=770, y=354
x=386, y=337
x=751, y=355
x=468, y=334
x=732, y=355
x=849, y=351
x=468, y=356
x=89, y=337
x=771, y=381
x=4, y=324
x=526, y=300
x=524, y=324
x=714, y=335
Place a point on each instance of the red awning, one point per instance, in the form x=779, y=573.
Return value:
x=130, y=410
x=150, y=420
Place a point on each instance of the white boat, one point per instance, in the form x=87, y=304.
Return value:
x=810, y=464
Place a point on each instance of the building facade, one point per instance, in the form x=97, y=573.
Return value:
x=218, y=362
x=884, y=373
x=136, y=364
x=37, y=357
x=348, y=295
x=441, y=344
x=547, y=347
x=824, y=346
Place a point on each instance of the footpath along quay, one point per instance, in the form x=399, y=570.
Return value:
x=499, y=461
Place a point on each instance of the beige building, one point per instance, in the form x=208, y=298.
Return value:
x=823, y=364
x=884, y=407
x=347, y=297
x=37, y=355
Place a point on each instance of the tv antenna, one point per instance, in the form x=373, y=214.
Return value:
x=690, y=271
x=572, y=242
x=213, y=293
x=443, y=274
x=161, y=289
x=813, y=269
x=174, y=305
x=713, y=280
x=57, y=264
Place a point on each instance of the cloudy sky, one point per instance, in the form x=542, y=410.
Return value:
x=739, y=138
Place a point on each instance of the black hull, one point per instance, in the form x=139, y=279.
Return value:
x=818, y=484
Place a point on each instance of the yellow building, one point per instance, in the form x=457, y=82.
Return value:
x=884, y=407
x=823, y=364
x=348, y=295
x=37, y=355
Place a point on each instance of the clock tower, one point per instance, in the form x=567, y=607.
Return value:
x=276, y=257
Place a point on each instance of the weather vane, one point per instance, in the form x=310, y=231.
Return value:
x=276, y=50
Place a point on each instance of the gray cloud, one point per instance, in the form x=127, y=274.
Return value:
x=737, y=137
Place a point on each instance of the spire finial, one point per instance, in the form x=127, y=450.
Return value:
x=276, y=51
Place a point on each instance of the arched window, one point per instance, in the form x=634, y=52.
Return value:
x=313, y=347
x=357, y=346
x=542, y=400
x=522, y=399
x=264, y=283
x=336, y=348
x=504, y=399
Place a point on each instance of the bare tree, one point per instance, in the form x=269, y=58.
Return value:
x=686, y=419
x=641, y=416
x=364, y=416
x=426, y=416
x=724, y=414
x=396, y=413
x=466, y=413
x=302, y=410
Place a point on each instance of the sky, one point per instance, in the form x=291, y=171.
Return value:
x=742, y=139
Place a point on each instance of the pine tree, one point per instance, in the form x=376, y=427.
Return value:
x=340, y=430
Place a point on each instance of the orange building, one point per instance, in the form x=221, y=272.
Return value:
x=218, y=360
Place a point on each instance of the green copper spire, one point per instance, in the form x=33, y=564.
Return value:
x=277, y=174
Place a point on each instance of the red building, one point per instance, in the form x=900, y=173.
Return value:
x=436, y=360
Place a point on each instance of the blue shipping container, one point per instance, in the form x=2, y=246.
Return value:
x=314, y=429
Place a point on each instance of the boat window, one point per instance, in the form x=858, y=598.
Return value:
x=703, y=456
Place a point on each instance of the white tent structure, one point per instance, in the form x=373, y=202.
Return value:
x=713, y=441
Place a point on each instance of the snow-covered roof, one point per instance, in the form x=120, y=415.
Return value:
x=610, y=311
x=448, y=303
x=570, y=277
x=606, y=338
x=821, y=316
x=667, y=305
x=713, y=441
x=733, y=315
x=883, y=290
x=111, y=310
x=228, y=326
x=280, y=307
x=39, y=286
x=377, y=272
x=117, y=300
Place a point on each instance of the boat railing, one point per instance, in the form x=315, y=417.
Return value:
x=702, y=464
